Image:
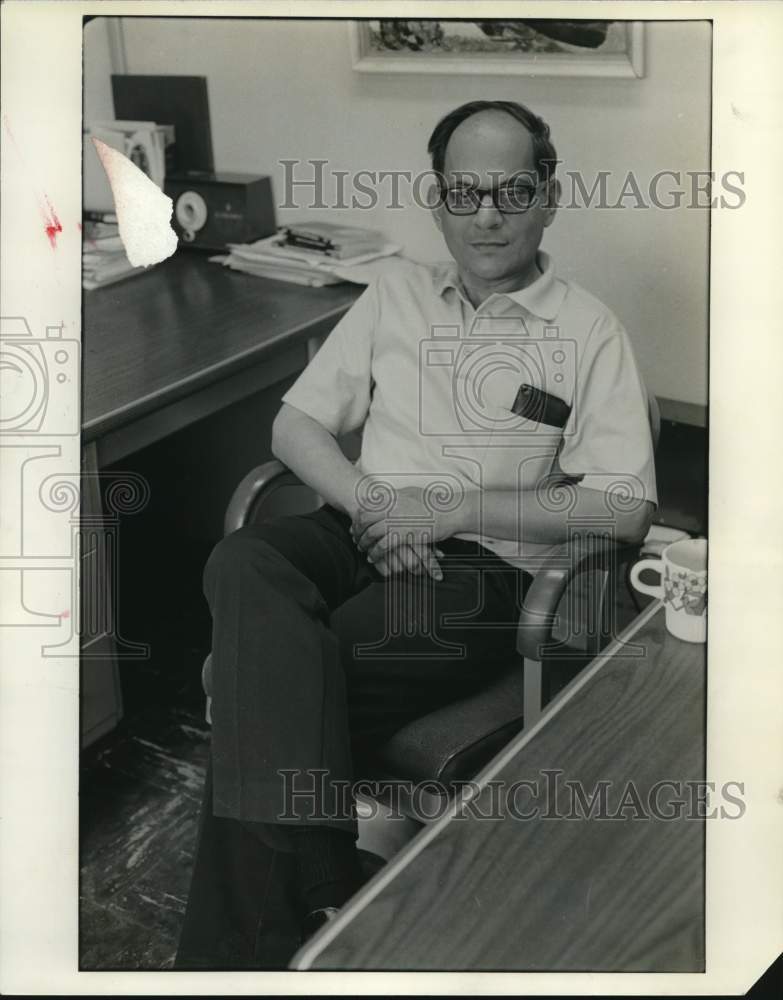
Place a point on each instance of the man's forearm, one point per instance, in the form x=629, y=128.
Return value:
x=526, y=517
x=310, y=451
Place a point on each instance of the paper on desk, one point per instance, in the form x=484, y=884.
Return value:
x=269, y=249
x=313, y=278
x=268, y=259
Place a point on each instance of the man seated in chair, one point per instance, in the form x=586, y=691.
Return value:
x=477, y=386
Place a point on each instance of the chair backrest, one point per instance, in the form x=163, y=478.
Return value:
x=286, y=494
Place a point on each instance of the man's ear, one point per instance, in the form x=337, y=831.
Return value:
x=553, y=192
x=435, y=203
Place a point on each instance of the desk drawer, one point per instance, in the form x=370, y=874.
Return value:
x=101, y=697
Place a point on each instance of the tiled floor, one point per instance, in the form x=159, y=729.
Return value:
x=140, y=794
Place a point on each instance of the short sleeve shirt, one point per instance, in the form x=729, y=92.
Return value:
x=438, y=387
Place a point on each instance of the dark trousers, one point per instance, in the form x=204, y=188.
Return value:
x=317, y=659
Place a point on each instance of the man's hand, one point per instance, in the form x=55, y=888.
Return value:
x=409, y=523
x=411, y=559
x=408, y=558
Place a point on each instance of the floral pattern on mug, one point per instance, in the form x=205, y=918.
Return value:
x=685, y=590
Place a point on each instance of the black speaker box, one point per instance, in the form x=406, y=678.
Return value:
x=212, y=210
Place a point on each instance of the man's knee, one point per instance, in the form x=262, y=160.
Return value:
x=248, y=562
x=235, y=554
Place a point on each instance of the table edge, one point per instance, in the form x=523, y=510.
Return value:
x=307, y=954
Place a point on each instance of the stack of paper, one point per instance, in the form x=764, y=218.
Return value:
x=104, y=260
x=277, y=257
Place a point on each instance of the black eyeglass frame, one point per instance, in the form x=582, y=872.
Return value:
x=477, y=195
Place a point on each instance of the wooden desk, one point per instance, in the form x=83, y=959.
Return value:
x=164, y=349
x=554, y=894
x=160, y=351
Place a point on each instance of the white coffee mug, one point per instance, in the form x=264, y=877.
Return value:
x=683, y=587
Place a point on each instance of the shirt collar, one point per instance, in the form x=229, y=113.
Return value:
x=542, y=298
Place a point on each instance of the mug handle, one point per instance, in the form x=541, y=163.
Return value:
x=646, y=588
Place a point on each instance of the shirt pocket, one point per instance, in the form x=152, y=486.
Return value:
x=519, y=452
x=483, y=401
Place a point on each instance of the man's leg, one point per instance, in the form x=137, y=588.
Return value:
x=278, y=706
x=278, y=703
x=412, y=644
x=383, y=638
x=240, y=910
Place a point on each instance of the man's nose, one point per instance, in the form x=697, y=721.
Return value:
x=487, y=215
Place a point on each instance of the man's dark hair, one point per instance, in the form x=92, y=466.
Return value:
x=544, y=155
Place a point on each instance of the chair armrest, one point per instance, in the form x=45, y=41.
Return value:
x=251, y=491
x=584, y=553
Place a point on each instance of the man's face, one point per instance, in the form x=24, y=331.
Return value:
x=493, y=249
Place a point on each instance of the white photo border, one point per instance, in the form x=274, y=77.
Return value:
x=39, y=739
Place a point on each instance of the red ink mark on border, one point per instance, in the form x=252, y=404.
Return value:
x=65, y=614
x=53, y=225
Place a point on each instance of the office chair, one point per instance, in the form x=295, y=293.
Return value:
x=571, y=597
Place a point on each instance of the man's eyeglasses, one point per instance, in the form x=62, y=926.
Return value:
x=510, y=199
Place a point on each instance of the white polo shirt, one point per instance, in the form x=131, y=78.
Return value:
x=433, y=382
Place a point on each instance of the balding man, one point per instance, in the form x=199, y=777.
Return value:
x=475, y=385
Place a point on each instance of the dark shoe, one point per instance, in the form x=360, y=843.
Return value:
x=316, y=919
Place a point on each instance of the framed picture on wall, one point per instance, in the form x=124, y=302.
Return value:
x=498, y=47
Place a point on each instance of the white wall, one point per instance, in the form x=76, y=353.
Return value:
x=98, y=103
x=282, y=89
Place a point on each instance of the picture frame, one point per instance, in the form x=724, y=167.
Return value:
x=513, y=48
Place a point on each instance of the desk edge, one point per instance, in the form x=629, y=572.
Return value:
x=93, y=429
x=309, y=952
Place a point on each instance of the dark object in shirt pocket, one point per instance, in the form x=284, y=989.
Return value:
x=540, y=407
